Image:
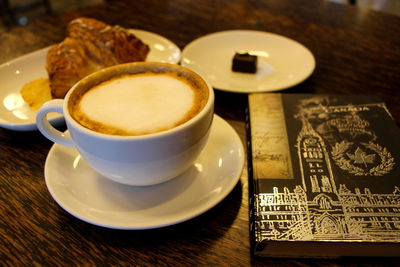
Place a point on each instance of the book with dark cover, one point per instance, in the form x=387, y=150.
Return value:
x=324, y=176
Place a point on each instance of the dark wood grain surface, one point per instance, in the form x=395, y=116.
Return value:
x=357, y=52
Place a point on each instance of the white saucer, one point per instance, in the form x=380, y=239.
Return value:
x=97, y=200
x=282, y=62
x=16, y=115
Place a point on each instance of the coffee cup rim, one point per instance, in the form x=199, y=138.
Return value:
x=209, y=105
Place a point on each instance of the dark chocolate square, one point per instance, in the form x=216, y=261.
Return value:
x=244, y=62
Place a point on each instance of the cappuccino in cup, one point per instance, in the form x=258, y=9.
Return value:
x=139, y=123
x=139, y=103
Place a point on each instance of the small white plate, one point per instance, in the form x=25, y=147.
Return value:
x=282, y=62
x=16, y=115
x=95, y=199
x=161, y=49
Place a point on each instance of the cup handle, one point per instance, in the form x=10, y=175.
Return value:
x=44, y=126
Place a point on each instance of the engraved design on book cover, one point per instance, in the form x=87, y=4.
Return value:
x=270, y=149
x=320, y=206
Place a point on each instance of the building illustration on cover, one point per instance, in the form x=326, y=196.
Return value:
x=345, y=185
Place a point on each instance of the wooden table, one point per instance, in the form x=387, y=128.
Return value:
x=357, y=52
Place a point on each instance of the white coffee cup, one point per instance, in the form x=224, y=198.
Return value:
x=139, y=159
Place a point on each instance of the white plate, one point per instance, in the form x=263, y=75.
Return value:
x=161, y=49
x=15, y=114
x=97, y=200
x=282, y=62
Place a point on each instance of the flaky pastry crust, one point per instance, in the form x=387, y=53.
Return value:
x=90, y=45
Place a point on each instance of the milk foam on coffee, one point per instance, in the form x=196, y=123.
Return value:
x=138, y=104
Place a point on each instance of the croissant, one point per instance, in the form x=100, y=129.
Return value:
x=90, y=45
